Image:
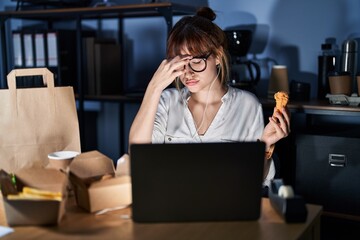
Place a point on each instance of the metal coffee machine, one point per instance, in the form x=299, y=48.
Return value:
x=245, y=74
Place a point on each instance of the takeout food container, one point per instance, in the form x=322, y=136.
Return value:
x=29, y=211
x=96, y=184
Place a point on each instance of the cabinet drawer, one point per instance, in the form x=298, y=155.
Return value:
x=328, y=172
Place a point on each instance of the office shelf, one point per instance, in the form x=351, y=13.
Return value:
x=166, y=10
x=117, y=12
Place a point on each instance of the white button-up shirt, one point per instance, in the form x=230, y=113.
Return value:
x=240, y=118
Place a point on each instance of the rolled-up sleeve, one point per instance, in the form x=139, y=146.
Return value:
x=161, y=119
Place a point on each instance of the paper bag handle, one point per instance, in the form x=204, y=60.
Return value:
x=48, y=79
x=48, y=76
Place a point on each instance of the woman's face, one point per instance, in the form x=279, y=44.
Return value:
x=194, y=78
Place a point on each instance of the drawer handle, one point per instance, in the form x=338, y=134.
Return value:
x=337, y=160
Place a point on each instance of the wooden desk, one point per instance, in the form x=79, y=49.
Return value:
x=78, y=224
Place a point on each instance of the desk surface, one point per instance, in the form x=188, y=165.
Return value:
x=78, y=224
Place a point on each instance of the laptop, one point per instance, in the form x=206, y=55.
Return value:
x=185, y=182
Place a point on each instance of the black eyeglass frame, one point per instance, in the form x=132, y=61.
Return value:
x=201, y=58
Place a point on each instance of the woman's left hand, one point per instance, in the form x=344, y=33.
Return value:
x=278, y=127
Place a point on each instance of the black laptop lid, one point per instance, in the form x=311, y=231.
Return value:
x=197, y=182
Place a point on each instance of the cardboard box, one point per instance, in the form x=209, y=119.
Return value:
x=96, y=184
x=35, y=212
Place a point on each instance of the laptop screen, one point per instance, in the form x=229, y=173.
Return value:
x=197, y=181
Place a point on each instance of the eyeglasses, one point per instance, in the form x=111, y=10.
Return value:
x=199, y=64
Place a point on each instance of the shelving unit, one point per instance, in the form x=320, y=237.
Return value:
x=119, y=12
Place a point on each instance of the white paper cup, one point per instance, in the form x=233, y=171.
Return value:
x=61, y=159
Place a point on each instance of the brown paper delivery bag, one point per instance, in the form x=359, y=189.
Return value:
x=36, y=121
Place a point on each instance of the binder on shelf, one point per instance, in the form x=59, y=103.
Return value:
x=89, y=65
x=40, y=57
x=28, y=49
x=23, y=56
x=17, y=49
x=107, y=68
x=52, y=50
x=51, y=60
x=57, y=51
x=61, y=56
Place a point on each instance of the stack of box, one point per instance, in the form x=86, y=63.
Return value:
x=96, y=184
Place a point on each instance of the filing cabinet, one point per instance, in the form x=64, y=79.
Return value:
x=328, y=172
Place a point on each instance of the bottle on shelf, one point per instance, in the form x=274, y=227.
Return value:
x=349, y=60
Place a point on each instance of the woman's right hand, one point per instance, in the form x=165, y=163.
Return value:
x=168, y=71
x=143, y=124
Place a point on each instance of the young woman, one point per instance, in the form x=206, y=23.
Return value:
x=202, y=107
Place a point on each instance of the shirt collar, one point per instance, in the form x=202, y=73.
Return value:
x=185, y=93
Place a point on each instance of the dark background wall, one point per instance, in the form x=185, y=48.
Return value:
x=290, y=32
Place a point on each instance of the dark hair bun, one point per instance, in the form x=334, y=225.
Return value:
x=206, y=12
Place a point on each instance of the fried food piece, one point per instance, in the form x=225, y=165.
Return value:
x=281, y=99
x=34, y=194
